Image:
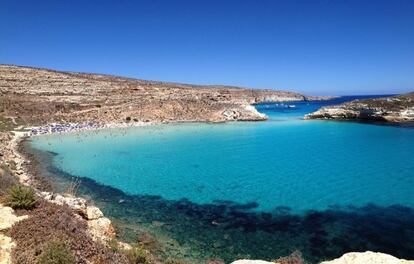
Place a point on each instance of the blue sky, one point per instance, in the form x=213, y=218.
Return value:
x=314, y=47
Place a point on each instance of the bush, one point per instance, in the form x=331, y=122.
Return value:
x=294, y=258
x=21, y=197
x=138, y=255
x=56, y=252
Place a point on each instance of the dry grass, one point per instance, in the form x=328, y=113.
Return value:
x=7, y=180
x=73, y=186
x=294, y=258
x=50, y=222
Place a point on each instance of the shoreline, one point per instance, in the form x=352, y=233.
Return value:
x=29, y=177
x=28, y=173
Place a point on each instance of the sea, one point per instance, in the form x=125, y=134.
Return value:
x=199, y=192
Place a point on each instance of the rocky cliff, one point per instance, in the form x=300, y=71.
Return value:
x=389, y=109
x=39, y=96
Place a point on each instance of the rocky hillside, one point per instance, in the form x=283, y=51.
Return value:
x=39, y=96
x=389, y=109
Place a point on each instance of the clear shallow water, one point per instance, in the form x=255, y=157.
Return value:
x=237, y=175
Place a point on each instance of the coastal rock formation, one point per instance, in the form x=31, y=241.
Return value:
x=99, y=226
x=39, y=96
x=93, y=213
x=390, y=109
x=75, y=203
x=368, y=257
x=101, y=229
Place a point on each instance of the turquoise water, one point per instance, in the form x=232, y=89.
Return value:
x=286, y=165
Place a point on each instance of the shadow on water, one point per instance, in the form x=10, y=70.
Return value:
x=229, y=230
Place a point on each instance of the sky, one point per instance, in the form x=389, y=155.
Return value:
x=314, y=47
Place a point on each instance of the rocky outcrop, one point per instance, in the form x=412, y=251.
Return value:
x=389, y=109
x=40, y=96
x=99, y=226
x=368, y=257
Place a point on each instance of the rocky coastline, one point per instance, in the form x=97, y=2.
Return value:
x=41, y=96
x=49, y=101
x=99, y=227
x=394, y=109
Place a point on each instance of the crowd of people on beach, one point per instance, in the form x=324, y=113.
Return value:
x=59, y=128
x=78, y=127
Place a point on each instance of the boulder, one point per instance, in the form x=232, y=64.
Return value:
x=93, y=212
x=101, y=229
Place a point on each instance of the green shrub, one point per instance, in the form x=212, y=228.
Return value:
x=113, y=245
x=138, y=255
x=21, y=197
x=56, y=252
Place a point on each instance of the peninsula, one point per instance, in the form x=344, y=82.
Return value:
x=395, y=109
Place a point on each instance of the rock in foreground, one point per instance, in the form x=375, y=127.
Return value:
x=388, y=109
x=368, y=257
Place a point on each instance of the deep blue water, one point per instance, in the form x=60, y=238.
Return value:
x=240, y=178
